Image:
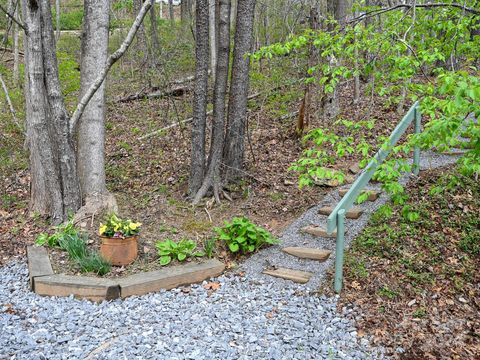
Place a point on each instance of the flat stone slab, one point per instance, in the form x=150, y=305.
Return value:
x=316, y=230
x=38, y=263
x=353, y=213
x=372, y=194
x=169, y=278
x=308, y=253
x=298, y=276
x=83, y=287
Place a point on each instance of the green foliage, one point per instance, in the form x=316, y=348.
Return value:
x=169, y=250
x=241, y=235
x=209, y=247
x=420, y=55
x=94, y=263
x=69, y=238
x=62, y=234
x=69, y=74
x=70, y=20
x=324, y=148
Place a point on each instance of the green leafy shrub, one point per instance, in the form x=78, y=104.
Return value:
x=169, y=250
x=241, y=235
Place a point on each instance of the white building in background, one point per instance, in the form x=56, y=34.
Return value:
x=175, y=2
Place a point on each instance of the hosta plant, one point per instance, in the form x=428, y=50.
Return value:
x=241, y=235
x=169, y=250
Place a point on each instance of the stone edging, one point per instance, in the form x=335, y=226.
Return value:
x=44, y=282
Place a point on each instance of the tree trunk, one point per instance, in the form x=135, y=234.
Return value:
x=213, y=37
x=141, y=38
x=212, y=177
x=170, y=10
x=154, y=34
x=16, y=51
x=57, y=16
x=54, y=185
x=197, y=168
x=237, y=104
x=91, y=127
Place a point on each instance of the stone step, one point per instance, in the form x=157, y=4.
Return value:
x=297, y=276
x=353, y=213
x=316, y=230
x=372, y=194
x=308, y=253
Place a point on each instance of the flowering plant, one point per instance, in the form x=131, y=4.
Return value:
x=115, y=227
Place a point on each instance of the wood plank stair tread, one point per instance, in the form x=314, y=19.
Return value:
x=308, y=253
x=372, y=194
x=317, y=230
x=353, y=213
x=298, y=276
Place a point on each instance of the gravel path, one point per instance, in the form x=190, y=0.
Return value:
x=249, y=317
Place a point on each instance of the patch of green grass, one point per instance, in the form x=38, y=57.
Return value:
x=385, y=291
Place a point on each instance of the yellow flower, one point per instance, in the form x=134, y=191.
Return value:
x=134, y=226
x=117, y=227
x=102, y=229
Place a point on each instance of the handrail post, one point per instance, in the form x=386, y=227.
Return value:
x=416, y=151
x=339, y=249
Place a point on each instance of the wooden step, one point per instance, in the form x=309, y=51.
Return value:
x=308, y=253
x=372, y=194
x=316, y=230
x=298, y=276
x=353, y=213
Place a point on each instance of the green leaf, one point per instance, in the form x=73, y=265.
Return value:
x=181, y=256
x=165, y=260
x=233, y=247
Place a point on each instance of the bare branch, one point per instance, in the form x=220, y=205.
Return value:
x=377, y=12
x=14, y=19
x=10, y=105
x=112, y=59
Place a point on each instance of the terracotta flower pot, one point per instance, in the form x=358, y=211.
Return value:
x=119, y=251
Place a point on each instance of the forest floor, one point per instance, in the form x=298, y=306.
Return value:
x=415, y=285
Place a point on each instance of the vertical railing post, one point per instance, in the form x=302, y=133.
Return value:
x=416, y=151
x=340, y=247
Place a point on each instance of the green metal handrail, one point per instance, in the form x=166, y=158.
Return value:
x=337, y=218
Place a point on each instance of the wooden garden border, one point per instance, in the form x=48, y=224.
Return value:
x=45, y=282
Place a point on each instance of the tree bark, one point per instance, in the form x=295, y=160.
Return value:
x=91, y=126
x=213, y=36
x=141, y=37
x=57, y=16
x=16, y=51
x=54, y=185
x=154, y=35
x=237, y=104
x=197, y=167
x=170, y=11
x=212, y=177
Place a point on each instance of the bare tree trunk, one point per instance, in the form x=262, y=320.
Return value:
x=170, y=10
x=233, y=15
x=213, y=37
x=197, y=168
x=212, y=177
x=141, y=38
x=154, y=34
x=237, y=104
x=16, y=51
x=161, y=9
x=91, y=127
x=54, y=185
x=57, y=16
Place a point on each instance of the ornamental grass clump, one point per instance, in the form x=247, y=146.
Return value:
x=115, y=227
